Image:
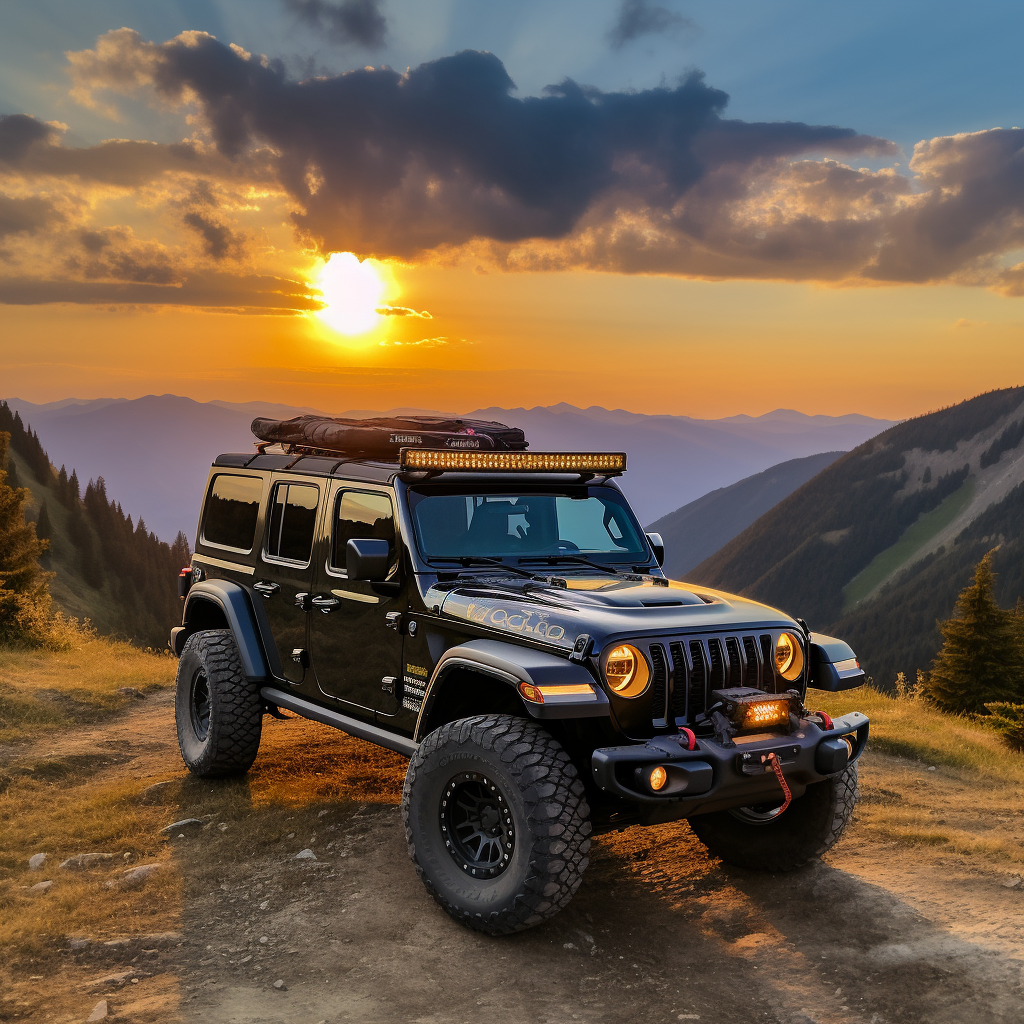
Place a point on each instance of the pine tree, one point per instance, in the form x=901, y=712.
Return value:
x=24, y=597
x=44, y=528
x=980, y=661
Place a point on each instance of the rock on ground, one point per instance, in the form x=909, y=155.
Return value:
x=36, y=861
x=134, y=878
x=99, y=1011
x=41, y=887
x=305, y=855
x=85, y=860
x=184, y=823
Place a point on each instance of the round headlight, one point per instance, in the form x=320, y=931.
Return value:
x=625, y=668
x=789, y=657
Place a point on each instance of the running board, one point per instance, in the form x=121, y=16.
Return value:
x=354, y=727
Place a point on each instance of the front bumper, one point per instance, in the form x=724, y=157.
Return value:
x=713, y=777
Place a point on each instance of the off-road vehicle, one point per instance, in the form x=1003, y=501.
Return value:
x=500, y=617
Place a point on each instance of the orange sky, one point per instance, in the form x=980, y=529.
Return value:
x=634, y=248
x=648, y=344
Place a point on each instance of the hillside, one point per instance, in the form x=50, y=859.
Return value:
x=697, y=530
x=105, y=568
x=877, y=546
x=155, y=452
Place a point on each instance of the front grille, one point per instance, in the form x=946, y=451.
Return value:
x=659, y=682
x=685, y=671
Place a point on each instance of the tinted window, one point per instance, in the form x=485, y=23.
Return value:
x=358, y=515
x=524, y=525
x=292, y=521
x=232, y=508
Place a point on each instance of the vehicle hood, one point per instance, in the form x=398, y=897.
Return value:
x=603, y=608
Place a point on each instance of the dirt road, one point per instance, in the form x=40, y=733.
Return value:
x=658, y=932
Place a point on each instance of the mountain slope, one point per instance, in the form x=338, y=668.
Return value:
x=155, y=452
x=917, y=505
x=699, y=529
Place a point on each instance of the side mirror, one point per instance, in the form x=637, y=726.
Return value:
x=658, y=545
x=367, y=558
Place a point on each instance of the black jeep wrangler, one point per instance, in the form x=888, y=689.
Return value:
x=500, y=617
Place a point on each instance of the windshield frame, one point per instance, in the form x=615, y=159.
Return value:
x=414, y=493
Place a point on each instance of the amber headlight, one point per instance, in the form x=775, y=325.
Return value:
x=625, y=670
x=789, y=657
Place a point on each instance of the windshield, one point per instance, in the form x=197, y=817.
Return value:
x=596, y=524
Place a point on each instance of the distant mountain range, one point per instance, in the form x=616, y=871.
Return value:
x=877, y=546
x=697, y=530
x=155, y=452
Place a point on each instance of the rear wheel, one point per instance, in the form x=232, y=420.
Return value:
x=497, y=822
x=762, y=839
x=218, y=712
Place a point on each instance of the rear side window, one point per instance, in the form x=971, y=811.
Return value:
x=292, y=522
x=232, y=509
x=358, y=515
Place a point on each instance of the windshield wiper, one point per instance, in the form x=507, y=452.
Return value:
x=468, y=560
x=579, y=560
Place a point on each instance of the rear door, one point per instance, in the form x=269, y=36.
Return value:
x=284, y=569
x=355, y=651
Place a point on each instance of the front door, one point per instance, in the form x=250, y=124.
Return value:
x=285, y=568
x=356, y=654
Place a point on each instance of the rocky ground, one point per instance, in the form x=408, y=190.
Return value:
x=882, y=932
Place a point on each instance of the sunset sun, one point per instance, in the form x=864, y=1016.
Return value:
x=353, y=292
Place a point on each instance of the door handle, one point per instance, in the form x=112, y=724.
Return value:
x=325, y=604
x=266, y=588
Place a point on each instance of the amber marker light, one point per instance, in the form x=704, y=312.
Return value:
x=433, y=459
x=658, y=777
x=567, y=693
x=625, y=669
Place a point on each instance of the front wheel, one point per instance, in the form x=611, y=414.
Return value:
x=761, y=839
x=218, y=712
x=497, y=822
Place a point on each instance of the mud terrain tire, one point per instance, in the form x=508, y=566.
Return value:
x=518, y=778
x=811, y=825
x=219, y=714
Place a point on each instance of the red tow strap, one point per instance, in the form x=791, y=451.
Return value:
x=826, y=720
x=691, y=739
x=772, y=760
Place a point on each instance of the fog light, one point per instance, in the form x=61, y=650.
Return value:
x=657, y=778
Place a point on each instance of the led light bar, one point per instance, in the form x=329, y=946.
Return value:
x=513, y=462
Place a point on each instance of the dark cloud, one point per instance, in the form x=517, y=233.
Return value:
x=213, y=291
x=352, y=22
x=637, y=18
x=114, y=254
x=393, y=164
x=219, y=240
x=25, y=216
x=31, y=147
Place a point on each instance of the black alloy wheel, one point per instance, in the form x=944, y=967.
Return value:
x=199, y=705
x=217, y=711
x=477, y=825
x=497, y=822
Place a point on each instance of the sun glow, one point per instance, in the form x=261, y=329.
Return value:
x=353, y=293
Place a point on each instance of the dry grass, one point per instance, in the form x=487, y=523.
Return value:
x=912, y=729
x=46, y=690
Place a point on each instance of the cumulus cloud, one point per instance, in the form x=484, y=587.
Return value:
x=351, y=22
x=637, y=18
x=25, y=216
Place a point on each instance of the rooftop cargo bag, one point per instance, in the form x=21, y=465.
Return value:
x=385, y=436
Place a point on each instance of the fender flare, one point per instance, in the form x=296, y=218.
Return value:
x=242, y=618
x=513, y=665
